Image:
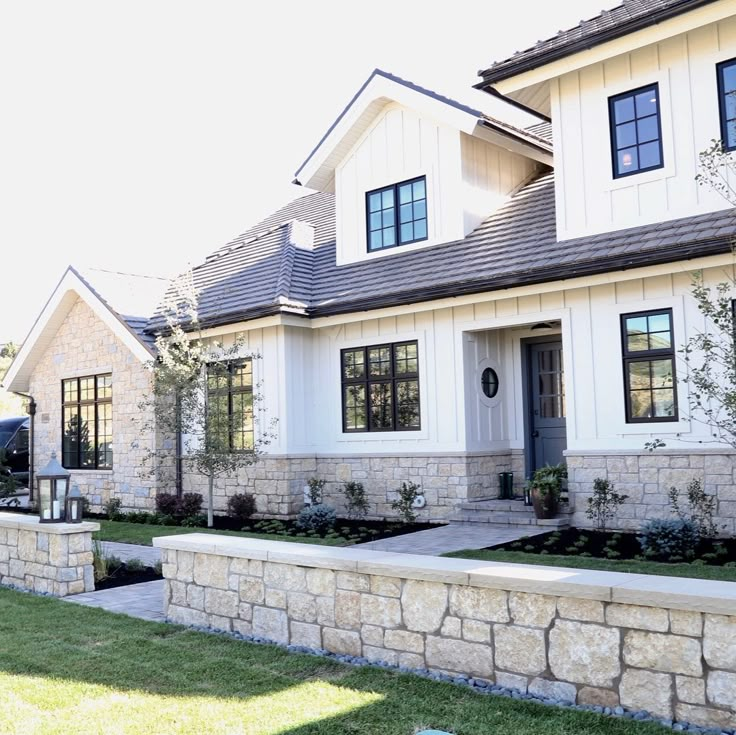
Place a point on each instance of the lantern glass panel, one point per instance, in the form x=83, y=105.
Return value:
x=44, y=499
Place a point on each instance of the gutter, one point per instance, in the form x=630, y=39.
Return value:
x=505, y=70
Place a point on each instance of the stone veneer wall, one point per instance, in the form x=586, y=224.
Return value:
x=445, y=480
x=53, y=558
x=646, y=477
x=588, y=637
x=85, y=346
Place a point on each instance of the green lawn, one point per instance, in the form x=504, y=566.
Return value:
x=142, y=533
x=72, y=670
x=727, y=574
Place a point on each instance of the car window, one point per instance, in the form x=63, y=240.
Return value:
x=21, y=441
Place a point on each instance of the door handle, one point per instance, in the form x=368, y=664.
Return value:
x=535, y=434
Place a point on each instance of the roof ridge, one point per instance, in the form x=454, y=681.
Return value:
x=123, y=273
x=224, y=250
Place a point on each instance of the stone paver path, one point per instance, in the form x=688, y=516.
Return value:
x=145, y=600
x=453, y=537
x=147, y=554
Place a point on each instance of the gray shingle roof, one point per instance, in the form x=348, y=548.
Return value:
x=517, y=245
x=628, y=17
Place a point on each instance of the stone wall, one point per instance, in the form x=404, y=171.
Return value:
x=53, y=558
x=588, y=637
x=445, y=480
x=646, y=477
x=84, y=346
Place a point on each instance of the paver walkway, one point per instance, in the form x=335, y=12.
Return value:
x=146, y=600
x=147, y=554
x=453, y=537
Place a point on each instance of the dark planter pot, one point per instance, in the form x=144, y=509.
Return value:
x=545, y=506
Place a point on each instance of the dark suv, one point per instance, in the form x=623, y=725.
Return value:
x=14, y=440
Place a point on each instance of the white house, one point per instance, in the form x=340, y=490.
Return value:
x=461, y=295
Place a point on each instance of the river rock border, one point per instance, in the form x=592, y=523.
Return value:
x=664, y=645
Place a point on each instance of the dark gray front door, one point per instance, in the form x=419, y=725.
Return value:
x=548, y=427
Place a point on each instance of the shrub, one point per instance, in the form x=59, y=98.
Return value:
x=404, y=504
x=241, y=506
x=356, y=502
x=134, y=565
x=548, y=481
x=316, y=488
x=195, y=521
x=104, y=565
x=319, y=518
x=166, y=503
x=604, y=503
x=111, y=508
x=190, y=504
x=702, y=507
x=666, y=539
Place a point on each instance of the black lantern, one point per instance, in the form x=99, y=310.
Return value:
x=74, y=506
x=53, y=482
x=528, y=495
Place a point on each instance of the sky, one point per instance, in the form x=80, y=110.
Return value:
x=139, y=136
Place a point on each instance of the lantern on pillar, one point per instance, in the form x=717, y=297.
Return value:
x=74, y=506
x=53, y=483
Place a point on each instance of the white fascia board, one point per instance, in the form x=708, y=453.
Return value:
x=277, y=320
x=70, y=288
x=514, y=145
x=646, y=36
x=319, y=166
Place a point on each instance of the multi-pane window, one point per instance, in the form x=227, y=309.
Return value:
x=397, y=214
x=380, y=388
x=87, y=422
x=649, y=366
x=727, y=101
x=230, y=406
x=636, y=131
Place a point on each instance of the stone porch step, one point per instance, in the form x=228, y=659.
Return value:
x=508, y=513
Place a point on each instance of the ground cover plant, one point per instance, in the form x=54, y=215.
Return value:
x=73, y=670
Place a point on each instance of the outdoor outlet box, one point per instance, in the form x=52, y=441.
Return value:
x=419, y=502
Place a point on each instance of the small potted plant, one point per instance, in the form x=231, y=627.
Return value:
x=546, y=488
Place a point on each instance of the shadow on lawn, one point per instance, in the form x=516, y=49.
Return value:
x=56, y=640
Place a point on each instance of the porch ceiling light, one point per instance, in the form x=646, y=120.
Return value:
x=542, y=327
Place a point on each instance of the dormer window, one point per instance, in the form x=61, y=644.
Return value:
x=397, y=214
x=727, y=103
x=636, y=131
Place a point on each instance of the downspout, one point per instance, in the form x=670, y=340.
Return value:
x=31, y=439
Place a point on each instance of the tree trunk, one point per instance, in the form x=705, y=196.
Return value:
x=211, y=501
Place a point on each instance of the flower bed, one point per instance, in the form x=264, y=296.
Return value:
x=616, y=546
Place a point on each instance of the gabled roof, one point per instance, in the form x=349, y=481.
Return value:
x=515, y=246
x=630, y=16
x=124, y=302
x=466, y=111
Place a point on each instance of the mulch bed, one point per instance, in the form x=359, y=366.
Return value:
x=121, y=576
x=611, y=545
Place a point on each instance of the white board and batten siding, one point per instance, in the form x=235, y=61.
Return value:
x=467, y=178
x=589, y=199
x=299, y=370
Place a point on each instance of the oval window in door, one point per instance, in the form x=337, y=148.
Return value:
x=489, y=382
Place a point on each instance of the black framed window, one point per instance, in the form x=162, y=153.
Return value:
x=636, y=131
x=230, y=406
x=380, y=388
x=649, y=366
x=489, y=382
x=726, y=72
x=397, y=214
x=87, y=423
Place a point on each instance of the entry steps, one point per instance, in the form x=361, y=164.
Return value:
x=509, y=513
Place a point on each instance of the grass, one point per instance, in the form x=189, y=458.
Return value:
x=72, y=670
x=698, y=571
x=143, y=533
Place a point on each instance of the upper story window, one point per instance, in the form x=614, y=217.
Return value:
x=230, y=406
x=727, y=102
x=380, y=388
x=649, y=366
x=397, y=214
x=87, y=423
x=636, y=131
